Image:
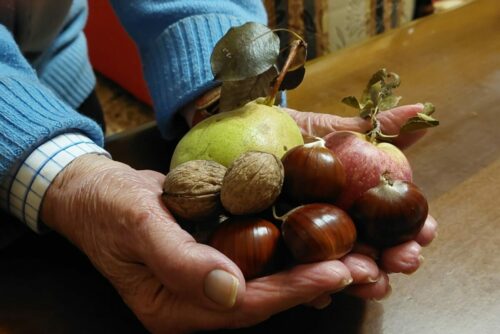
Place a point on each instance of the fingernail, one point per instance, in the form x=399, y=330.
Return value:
x=387, y=295
x=421, y=259
x=372, y=279
x=416, y=249
x=221, y=287
x=323, y=304
x=389, y=292
x=364, y=271
x=347, y=281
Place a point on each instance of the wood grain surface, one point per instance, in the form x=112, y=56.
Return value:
x=451, y=59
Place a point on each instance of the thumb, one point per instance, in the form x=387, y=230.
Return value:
x=193, y=272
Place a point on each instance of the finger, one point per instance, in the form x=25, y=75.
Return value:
x=157, y=308
x=371, y=252
x=263, y=298
x=404, y=258
x=160, y=311
x=320, y=125
x=317, y=124
x=363, y=269
x=324, y=125
x=269, y=295
x=407, y=139
x=392, y=120
x=196, y=272
x=428, y=232
x=320, y=302
x=376, y=291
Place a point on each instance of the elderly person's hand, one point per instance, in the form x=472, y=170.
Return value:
x=114, y=214
x=368, y=266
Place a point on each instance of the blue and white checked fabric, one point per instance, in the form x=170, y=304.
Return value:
x=22, y=193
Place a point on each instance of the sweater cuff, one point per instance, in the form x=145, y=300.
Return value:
x=182, y=53
x=30, y=114
x=69, y=73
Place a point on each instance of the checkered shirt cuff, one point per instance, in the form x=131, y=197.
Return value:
x=22, y=193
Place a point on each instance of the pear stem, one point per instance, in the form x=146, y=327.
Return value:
x=277, y=83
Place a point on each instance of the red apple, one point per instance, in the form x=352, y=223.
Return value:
x=364, y=163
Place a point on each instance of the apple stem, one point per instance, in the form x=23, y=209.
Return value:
x=277, y=82
x=376, y=132
x=386, y=178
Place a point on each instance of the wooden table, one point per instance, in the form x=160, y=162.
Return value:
x=451, y=59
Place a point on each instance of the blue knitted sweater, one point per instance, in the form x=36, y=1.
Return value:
x=38, y=96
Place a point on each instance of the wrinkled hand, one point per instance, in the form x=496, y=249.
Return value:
x=320, y=125
x=114, y=214
x=368, y=267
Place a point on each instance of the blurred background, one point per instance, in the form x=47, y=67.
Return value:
x=326, y=25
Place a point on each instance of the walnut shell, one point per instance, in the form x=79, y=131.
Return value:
x=191, y=191
x=252, y=183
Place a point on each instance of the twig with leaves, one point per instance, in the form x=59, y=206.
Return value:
x=245, y=60
x=378, y=96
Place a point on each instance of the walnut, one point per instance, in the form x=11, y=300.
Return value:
x=191, y=191
x=252, y=183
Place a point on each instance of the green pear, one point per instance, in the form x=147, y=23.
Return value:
x=225, y=136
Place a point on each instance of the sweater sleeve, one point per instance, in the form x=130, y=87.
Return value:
x=175, y=39
x=30, y=113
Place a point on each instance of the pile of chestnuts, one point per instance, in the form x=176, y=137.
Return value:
x=240, y=206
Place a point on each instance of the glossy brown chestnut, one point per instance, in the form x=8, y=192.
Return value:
x=250, y=242
x=318, y=232
x=312, y=173
x=389, y=214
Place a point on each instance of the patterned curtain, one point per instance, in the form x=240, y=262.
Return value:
x=329, y=25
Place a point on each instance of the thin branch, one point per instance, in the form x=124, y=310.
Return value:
x=295, y=45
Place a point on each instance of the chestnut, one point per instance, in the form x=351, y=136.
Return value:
x=312, y=173
x=390, y=213
x=318, y=232
x=250, y=242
